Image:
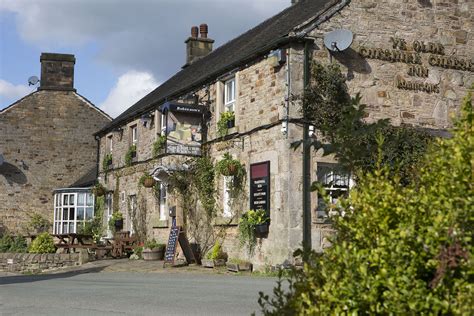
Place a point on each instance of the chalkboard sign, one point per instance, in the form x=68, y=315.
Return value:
x=178, y=235
x=260, y=186
x=171, y=246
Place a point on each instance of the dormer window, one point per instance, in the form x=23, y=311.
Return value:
x=229, y=95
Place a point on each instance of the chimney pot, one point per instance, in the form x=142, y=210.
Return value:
x=194, y=32
x=203, y=30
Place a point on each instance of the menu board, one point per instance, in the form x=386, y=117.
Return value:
x=260, y=186
x=171, y=246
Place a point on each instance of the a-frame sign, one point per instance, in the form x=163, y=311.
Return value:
x=177, y=235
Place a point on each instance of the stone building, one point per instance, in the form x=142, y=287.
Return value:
x=411, y=61
x=47, y=142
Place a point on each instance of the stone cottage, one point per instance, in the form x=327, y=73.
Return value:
x=47, y=143
x=411, y=61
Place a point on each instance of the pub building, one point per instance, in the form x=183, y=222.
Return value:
x=411, y=61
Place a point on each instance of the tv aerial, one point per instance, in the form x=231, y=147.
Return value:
x=33, y=80
x=338, y=40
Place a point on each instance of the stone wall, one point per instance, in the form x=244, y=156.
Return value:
x=36, y=263
x=47, y=142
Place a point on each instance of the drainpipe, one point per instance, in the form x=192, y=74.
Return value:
x=306, y=160
x=97, y=139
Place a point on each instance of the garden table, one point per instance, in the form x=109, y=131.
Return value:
x=74, y=241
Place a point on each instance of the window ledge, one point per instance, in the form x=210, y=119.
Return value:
x=226, y=221
x=161, y=224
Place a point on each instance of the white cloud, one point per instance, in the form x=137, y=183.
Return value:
x=130, y=87
x=10, y=93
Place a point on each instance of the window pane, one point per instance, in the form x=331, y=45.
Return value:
x=65, y=213
x=89, y=213
x=64, y=230
x=90, y=199
x=71, y=228
x=80, y=214
x=72, y=199
x=81, y=198
x=71, y=213
x=65, y=199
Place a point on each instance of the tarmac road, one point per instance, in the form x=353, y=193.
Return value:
x=92, y=292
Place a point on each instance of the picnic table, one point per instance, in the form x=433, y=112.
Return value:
x=74, y=241
x=122, y=243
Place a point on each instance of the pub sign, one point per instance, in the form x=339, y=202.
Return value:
x=260, y=186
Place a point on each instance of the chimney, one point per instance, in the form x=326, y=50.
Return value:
x=57, y=72
x=197, y=47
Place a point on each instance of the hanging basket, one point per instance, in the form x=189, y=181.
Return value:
x=149, y=182
x=98, y=190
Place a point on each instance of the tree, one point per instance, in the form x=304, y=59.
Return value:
x=340, y=119
x=398, y=249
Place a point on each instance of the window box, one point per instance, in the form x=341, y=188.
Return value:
x=231, y=123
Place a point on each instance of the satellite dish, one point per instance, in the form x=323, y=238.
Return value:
x=1, y=160
x=338, y=40
x=33, y=80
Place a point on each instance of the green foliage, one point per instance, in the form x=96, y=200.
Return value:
x=152, y=244
x=398, y=249
x=216, y=253
x=159, y=145
x=222, y=128
x=13, y=244
x=38, y=224
x=98, y=190
x=247, y=224
x=340, y=120
x=43, y=243
x=138, y=251
x=229, y=166
x=106, y=162
x=131, y=152
x=115, y=217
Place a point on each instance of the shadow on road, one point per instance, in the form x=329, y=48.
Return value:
x=41, y=277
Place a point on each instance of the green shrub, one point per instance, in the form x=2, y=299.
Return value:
x=12, y=244
x=222, y=128
x=138, y=252
x=152, y=244
x=398, y=249
x=216, y=253
x=38, y=224
x=115, y=216
x=43, y=243
x=159, y=145
x=132, y=150
x=247, y=224
x=106, y=162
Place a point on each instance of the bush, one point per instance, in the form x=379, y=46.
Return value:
x=39, y=224
x=152, y=244
x=13, y=244
x=216, y=253
x=43, y=243
x=399, y=249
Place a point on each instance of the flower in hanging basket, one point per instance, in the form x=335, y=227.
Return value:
x=147, y=181
x=98, y=190
x=229, y=166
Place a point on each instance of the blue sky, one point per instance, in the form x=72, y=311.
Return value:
x=123, y=49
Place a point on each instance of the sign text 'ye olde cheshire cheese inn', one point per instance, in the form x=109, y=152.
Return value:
x=411, y=60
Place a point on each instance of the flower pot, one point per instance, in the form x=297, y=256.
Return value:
x=100, y=252
x=261, y=229
x=152, y=254
x=149, y=183
x=118, y=224
x=231, y=123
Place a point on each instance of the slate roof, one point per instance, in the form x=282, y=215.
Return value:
x=87, y=180
x=246, y=47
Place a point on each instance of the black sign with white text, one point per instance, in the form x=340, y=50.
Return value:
x=260, y=186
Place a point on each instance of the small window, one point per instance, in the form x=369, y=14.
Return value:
x=229, y=95
x=134, y=134
x=110, y=143
x=227, y=199
x=163, y=202
x=336, y=182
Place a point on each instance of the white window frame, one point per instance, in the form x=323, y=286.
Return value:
x=134, y=131
x=110, y=210
x=110, y=143
x=163, y=201
x=163, y=125
x=226, y=198
x=63, y=223
x=229, y=95
x=332, y=185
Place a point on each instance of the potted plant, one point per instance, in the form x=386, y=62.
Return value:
x=98, y=190
x=107, y=162
x=116, y=221
x=236, y=265
x=215, y=257
x=147, y=181
x=229, y=166
x=131, y=155
x=153, y=250
x=253, y=224
x=226, y=121
x=159, y=145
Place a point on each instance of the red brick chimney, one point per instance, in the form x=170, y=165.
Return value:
x=57, y=72
x=198, y=47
